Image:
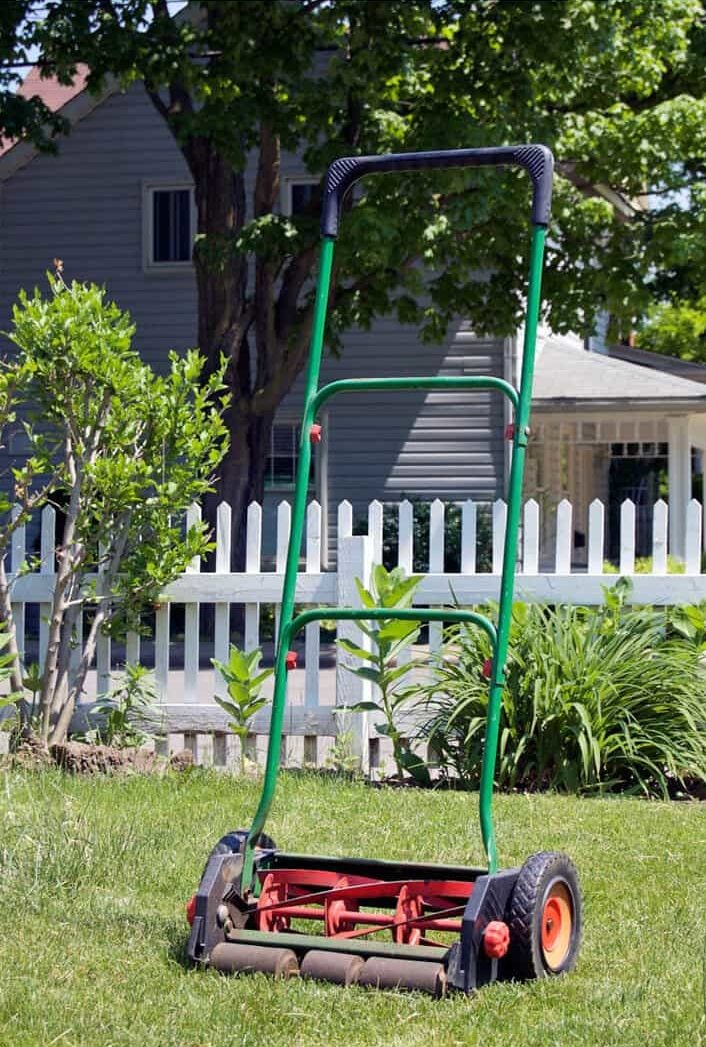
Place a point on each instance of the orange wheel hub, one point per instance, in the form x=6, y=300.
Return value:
x=557, y=925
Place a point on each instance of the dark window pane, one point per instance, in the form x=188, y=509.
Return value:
x=281, y=467
x=171, y=233
x=302, y=193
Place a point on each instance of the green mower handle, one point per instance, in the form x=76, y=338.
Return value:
x=537, y=160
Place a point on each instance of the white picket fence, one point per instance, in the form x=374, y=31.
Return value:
x=186, y=682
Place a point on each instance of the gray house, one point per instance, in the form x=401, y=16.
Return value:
x=116, y=206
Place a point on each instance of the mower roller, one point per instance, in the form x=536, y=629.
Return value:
x=365, y=921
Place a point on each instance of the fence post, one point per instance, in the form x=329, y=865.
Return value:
x=355, y=560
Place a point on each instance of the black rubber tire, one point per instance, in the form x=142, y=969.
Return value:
x=540, y=874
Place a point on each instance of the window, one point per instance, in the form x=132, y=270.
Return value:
x=169, y=226
x=281, y=465
x=297, y=194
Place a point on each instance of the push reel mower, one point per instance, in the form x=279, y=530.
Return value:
x=365, y=921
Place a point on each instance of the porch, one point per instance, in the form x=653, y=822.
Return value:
x=611, y=430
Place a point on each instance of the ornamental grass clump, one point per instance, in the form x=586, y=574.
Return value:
x=596, y=700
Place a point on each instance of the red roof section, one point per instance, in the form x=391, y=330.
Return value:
x=53, y=94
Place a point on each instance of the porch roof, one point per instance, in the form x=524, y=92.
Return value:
x=567, y=377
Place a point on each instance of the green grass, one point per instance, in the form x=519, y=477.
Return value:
x=94, y=875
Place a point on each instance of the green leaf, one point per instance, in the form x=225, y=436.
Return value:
x=358, y=707
x=355, y=650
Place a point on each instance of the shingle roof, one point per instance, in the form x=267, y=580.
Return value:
x=52, y=93
x=568, y=376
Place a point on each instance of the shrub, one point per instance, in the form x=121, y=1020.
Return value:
x=595, y=699
x=244, y=681
x=122, y=451
x=128, y=715
x=389, y=638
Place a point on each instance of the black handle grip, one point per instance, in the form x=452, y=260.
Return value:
x=536, y=159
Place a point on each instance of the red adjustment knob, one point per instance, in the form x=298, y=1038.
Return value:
x=487, y=668
x=509, y=431
x=191, y=909
x=290, y=660
x=496, y=939
x=315, y=434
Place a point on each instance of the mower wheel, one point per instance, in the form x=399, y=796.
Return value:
x=545, y=917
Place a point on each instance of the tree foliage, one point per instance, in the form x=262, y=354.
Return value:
x=676, y=329
x=122, y=452
x=616, y=88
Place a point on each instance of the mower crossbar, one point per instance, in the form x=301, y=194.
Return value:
x=380, y=385
x=376, y=614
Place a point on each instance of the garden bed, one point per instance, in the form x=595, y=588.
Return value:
x=94, y=873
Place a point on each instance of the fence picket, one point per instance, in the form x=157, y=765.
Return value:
x=221, y=614
x=191, y=623
x=18, y=548
x=499, y=525
x=103, y=645
x=161, y=650
x=469, y=537
x=627, y=537
x=405, y=553
x=312, y=639
x=253, y=563
x=530, y=538
x=405, y=532
x=564, y=537
x=284, y=526
x=693, y=537
x=345, y=519
x=596, y=529
x=354, y=561
x=375, y=518
x=436, y=564
x=132, y=648
x=659, y=537
x=47, y=548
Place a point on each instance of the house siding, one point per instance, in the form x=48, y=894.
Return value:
x=85, y=207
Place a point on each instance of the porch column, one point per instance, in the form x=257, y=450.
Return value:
x=679, y=482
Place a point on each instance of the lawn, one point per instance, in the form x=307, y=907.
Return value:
x=94, y=874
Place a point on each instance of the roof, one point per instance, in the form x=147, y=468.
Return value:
x=54, y=95
x=567, y=376
x=659, y=362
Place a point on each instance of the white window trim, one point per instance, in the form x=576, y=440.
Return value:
x=148, y=263
x=285, y=190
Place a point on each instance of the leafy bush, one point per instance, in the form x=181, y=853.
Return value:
x=122, y=452
x=643, y=565
x=244, y=681
x=127, y=715
x=595, y=699
x=389, y=638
